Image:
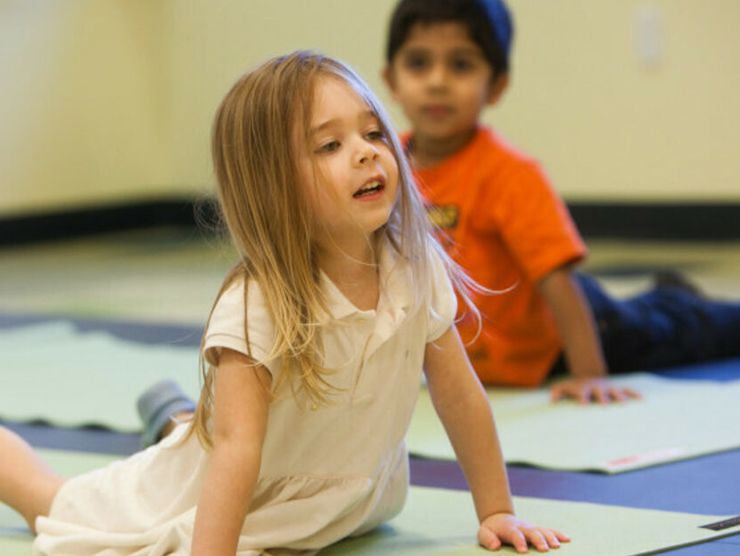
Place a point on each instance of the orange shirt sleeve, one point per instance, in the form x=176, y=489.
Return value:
x=532, y=220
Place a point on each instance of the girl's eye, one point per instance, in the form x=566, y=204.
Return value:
x=329, y=147
x=376, y=135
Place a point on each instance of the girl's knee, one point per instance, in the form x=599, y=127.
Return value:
x=41, y=496
x=27, y=483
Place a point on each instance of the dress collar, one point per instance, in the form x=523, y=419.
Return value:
x=394, y=286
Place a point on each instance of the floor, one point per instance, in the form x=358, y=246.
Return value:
x=147, y=282
x=171, y=275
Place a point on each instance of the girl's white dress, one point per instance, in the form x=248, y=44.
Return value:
x=326, y=473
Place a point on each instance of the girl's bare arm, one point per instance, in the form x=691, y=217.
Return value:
x=242, y=397
x=465, y=412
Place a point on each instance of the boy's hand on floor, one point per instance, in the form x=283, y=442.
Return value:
x=591, y=389
x=503, y=528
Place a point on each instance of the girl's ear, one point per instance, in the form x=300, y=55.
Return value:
x=498, y=86
x=387, y=75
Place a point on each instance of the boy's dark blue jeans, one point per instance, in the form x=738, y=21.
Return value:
x=663, y=327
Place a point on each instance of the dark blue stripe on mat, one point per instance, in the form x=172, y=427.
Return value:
x=705, y=485
x=722, y=370
x=714, y=548
x=80, y=440
x=134, y=331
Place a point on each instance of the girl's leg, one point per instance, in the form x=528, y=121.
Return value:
x=27, y=484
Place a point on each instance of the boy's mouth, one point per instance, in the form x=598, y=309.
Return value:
x=437, y=110
x=371, y=187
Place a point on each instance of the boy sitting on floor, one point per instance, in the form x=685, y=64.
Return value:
x=447, y=60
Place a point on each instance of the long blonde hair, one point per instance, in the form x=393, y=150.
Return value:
x=268, y=216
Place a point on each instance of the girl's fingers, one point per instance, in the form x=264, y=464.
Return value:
x=562, y=537
x=554, y=537
x=518, y=540
x=488, y=539
x=537, y=539
x=521, y=536
x=545, y=539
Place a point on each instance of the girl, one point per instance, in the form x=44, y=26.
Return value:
x=314, y=351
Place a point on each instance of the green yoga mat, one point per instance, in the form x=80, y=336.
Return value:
x=674, y=420
x=441, y=522
x=152, y=275
x=52, y=372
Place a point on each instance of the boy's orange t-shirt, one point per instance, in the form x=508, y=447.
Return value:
x=504, y=224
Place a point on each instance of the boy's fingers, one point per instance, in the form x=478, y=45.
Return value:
x=624, y=394
x=601, y=395
x=556, y=394
x=634, y=394
x=617, y=394
x=580, y=395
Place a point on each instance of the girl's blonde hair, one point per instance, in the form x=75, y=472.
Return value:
x=269, y=221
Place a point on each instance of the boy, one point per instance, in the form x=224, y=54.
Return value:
x=446, y=61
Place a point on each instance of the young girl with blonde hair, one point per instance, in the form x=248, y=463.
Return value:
x=313, y=352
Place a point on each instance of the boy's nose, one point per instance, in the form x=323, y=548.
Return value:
x=437, y=76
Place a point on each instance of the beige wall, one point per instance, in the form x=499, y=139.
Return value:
x=110, y=100
x=212, y=43
x=81, y=117
x=611, y=126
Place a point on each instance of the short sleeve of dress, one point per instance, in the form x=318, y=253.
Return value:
x=443, y=301
x=226, y=326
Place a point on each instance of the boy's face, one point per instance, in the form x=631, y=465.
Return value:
x=442, y=80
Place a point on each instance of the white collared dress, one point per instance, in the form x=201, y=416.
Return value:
x=326, y=472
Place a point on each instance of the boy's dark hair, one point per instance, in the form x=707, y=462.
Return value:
x=488, y=22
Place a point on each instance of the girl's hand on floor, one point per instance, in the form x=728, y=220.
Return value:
x=503, y=528
x=587, y=389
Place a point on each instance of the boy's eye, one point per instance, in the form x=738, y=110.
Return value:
x=329, y=147
x=461, y=65
x=415, y=62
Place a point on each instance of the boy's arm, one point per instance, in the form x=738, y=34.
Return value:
x=588, y=378
x=464, y=410
x=241, y=401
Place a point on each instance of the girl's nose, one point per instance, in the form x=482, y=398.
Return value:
x=367, y=153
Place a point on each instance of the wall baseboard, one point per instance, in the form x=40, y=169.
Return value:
x=656, y=221
x=91, y=221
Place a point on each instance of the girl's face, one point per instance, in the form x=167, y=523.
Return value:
x=348, y=167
